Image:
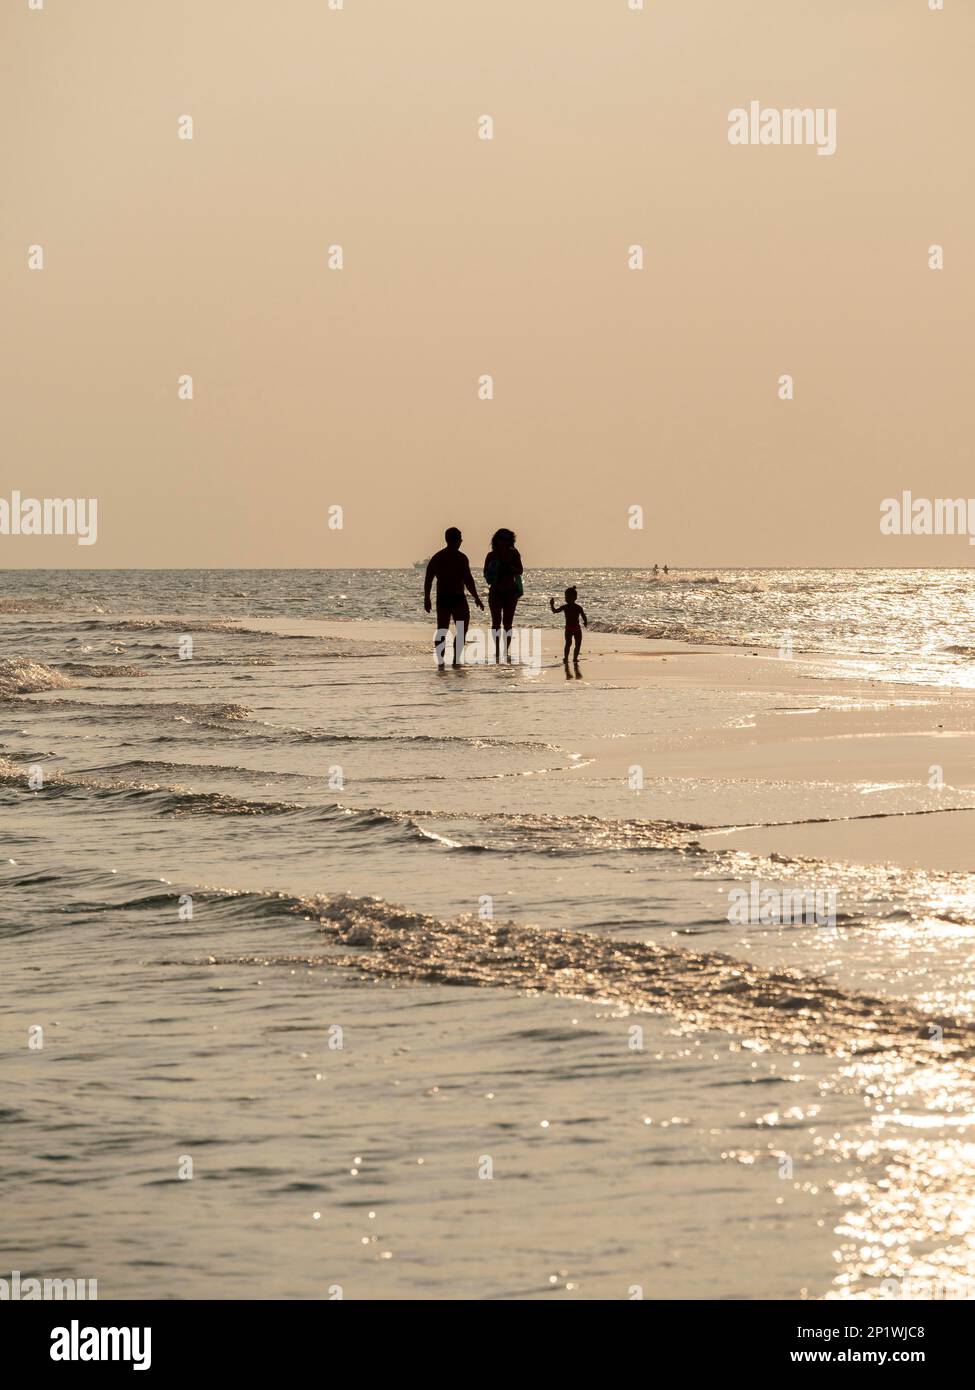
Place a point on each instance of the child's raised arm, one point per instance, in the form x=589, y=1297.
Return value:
x=551, y=604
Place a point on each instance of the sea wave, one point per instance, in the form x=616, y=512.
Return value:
x=763, y=1006
x=681, y=578
x=172, y=800
x=237, y=718
x=478, y=833
x=661, y=632
x=767, y=1007
x=162, y=625
x=325, y=643
x=100, y=670
x=296, y=734
x=22, y=676
x=559, y=834
x=37, y=603
x=695, y=636
x=210, y=714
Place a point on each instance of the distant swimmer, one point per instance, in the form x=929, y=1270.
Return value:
x=656, y=571
x=451, y=569
x=573, y=613
x=666, y=569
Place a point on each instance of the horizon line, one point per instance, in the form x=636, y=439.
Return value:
x=345, y=569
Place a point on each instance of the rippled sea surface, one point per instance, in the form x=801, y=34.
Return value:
x=323, y=971
x=911, y=623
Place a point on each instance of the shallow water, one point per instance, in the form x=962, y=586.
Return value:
x=902, y=624
x=187, y=908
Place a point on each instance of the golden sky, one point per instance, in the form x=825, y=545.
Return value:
x=358, y=127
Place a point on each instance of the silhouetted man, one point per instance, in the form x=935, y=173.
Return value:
x=451, y=569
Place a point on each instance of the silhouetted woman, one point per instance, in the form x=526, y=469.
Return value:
x=502, y=573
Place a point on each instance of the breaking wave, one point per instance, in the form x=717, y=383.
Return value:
x=21, y=676
x=491, y=833
x=781, y=1008
x=764, y=1007
x=100, y=671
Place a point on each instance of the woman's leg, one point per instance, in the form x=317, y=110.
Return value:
x=495, y=605
x=508, y=618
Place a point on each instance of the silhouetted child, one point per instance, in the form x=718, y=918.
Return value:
x=573, y=613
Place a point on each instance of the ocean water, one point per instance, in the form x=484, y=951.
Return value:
x=427, y=1007
x=908, y=619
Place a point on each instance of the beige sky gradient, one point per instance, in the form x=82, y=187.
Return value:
x=358, y=387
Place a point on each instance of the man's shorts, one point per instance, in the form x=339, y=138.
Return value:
x=453, y=606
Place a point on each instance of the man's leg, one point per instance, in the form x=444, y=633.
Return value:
x=442, y=633
x=462, y=621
